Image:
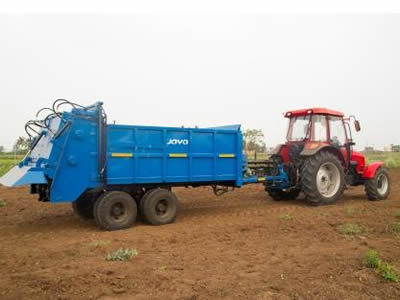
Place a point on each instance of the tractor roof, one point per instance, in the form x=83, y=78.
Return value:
x=313, y=111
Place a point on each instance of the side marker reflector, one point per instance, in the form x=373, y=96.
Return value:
x=227, y=155
x=178, y=155
x=122, y=155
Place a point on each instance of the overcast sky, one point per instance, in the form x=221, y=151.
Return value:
x=204, y=69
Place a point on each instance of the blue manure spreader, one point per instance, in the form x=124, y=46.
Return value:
x=113, y=172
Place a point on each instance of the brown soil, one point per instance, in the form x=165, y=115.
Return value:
x=239, y=246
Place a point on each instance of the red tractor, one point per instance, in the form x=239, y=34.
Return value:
x=320, y=161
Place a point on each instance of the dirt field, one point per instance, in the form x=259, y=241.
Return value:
x=239, y=246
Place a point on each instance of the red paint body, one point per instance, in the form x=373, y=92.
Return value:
x=314, y=111
x=285, y=153
x=371, y=170
x=360, y=159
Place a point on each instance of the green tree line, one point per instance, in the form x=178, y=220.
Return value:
x=21, y=146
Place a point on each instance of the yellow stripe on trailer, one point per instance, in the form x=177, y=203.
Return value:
x=261, y=179
x=227, y=155
x=122, y=155
x=177, y=155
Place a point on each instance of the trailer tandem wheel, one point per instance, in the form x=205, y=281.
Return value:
x=83, y=207
x=115, y=210
x=159, y=206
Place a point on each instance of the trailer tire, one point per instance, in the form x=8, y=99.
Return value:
x=115, y=210
x=322, y=179
x=159, y=207
x=83, y=207
x=279, y=195
x=378, y=188
x=141, y=206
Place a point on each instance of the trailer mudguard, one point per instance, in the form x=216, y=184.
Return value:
x=370, y=170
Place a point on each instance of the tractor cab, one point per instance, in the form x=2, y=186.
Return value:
x=312, y=129
x=317, y=126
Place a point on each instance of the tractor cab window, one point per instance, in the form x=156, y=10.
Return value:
x=337, y=131
x=298, y=129
x=319, y=129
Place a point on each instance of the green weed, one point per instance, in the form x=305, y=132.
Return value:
x=394, y=228
x=388, y=272
x=350, y=229
x=371, y=259
x=349, y=212
x=287, y=217
x=95, y=244
x=2, y=203
x=385, y=270
x=121, y=255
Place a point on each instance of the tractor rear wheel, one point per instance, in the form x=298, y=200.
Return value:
x=159, y=206
x=279, y=195
x=378, y=188
x=115, y=210
x=322, y=179
x=83, y=207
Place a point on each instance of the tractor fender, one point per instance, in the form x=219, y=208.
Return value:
x=313, y=148
x=282, y=151
x=371, y=169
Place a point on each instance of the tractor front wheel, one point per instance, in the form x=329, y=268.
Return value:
x=378, y=188
x=322, y=179
x=115, y=210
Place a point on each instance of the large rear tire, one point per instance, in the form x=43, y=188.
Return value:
x=322, y=179
x=378, y=188
x=83, y=207
x=159, y=207
x=115, y=211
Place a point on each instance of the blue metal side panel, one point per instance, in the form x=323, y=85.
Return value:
x=203, y=158
x=227, y=127
x=144, y=154
x=177, y=168
x=76, y=162
x=226, y=144
x=239, y=161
